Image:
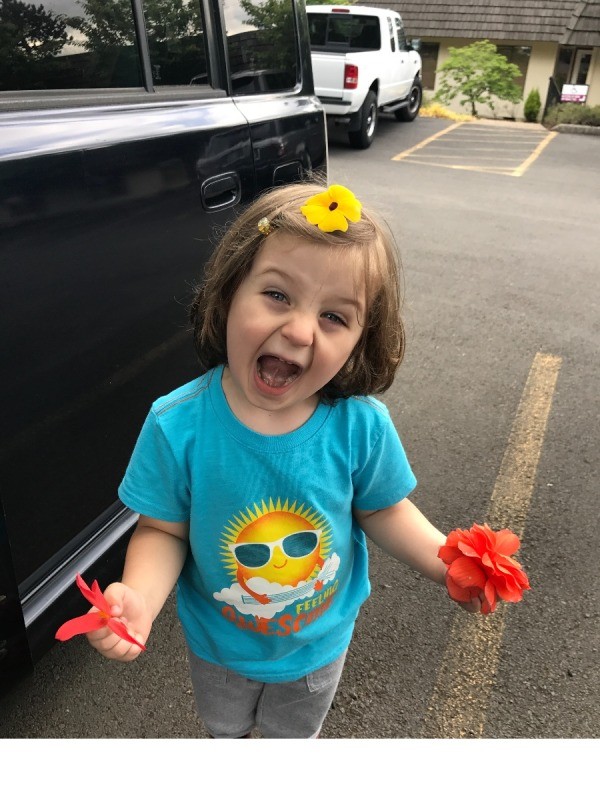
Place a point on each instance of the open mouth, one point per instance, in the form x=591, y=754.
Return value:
x=276, y=373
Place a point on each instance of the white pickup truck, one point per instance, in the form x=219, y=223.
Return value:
x=362, y=64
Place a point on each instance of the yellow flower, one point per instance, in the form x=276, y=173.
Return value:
x=332, y=209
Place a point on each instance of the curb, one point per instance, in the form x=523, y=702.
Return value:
x=590, y=130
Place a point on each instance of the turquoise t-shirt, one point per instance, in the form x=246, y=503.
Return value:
x=277, y=566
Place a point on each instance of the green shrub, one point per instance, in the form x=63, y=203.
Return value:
x=532, y=106
x=572, y=114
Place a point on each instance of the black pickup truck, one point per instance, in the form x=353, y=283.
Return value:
x=131, y=132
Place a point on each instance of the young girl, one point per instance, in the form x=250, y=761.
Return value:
x=257, y=482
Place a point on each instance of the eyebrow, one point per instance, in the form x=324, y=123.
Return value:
x=345, y=301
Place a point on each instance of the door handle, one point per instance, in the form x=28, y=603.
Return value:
x=221, y=191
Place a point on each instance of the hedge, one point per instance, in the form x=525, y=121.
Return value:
x=572, y=114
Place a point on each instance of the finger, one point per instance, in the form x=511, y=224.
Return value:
x=122, y=650
x=115, y=595
x=99, y=635
x=117, y=649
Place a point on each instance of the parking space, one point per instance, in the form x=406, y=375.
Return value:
x=481, y=146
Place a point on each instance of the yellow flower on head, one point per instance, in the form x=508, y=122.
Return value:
x=331, y=210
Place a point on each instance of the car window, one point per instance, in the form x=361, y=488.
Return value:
x=348, y=31
x=261, y=45
x=402, y=43
x=92, y=44
x=68, y=44
x=392, y=37
x=176, y=39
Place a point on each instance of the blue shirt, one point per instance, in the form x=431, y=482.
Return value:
x=277, y=566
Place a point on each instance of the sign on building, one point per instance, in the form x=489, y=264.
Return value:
x=574, y=93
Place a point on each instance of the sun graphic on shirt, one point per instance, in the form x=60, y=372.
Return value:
x=279, y=542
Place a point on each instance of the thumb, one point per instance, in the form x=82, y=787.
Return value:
x=116, y=596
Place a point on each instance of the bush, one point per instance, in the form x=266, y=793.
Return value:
x=572, y=114
x=532, y=106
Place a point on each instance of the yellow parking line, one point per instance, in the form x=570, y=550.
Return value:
x=467, y=672
x=529, y=161
x=437, y=135
x=496, y=170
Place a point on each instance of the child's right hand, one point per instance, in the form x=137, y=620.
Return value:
x=130, y=607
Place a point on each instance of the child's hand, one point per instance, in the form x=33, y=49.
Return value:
x=473, y=606
x=129, y=606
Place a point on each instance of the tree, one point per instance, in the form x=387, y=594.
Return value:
x=480, y=73
x=109, y=25
x=31, y=38
x=30, y=32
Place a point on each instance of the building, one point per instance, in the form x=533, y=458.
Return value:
x=553, y=42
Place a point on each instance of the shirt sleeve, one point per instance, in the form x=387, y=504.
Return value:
x=154, y=483
x=386, y=476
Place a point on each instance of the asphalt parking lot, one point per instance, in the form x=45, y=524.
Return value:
x=484, y=146
x=502, y=286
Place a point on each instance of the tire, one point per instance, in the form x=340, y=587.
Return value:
x=409, y=112
x=363, y=137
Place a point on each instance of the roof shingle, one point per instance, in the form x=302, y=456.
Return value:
x=567, y=21
x=583, y=28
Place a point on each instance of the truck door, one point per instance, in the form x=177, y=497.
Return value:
x=115, y=173
x=267, y=43
x=392, y=75
x=406, y=68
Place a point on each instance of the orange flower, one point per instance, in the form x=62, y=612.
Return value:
x=94, y=620
x=479, y=561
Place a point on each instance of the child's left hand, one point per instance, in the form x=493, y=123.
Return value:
x=480, y=568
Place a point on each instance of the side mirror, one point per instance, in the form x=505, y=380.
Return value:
x=415, y=44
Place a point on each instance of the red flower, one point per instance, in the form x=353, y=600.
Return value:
x=479, y=561
x=94, y=620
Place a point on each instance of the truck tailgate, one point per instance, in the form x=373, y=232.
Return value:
x=328, y=73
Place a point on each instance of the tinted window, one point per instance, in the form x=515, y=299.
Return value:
x=67, y=44
x=261, y=43
x=344, y=31
x=175, y=30
x=91, y=44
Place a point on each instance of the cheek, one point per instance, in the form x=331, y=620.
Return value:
x=238, y=324
x=348, y=347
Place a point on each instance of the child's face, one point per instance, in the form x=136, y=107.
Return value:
x=292, y=325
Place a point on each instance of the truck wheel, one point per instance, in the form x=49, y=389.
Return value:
x=409, y=112
x=363, y=137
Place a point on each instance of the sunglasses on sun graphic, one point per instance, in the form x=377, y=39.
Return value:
x=294, y=545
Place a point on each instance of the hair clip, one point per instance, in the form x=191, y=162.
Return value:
x=331, y=210
x=264, y=226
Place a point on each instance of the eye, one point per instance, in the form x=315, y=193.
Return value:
x=335, y=318
x=276, y=295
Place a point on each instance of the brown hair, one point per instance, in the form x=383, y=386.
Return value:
x=373, y=362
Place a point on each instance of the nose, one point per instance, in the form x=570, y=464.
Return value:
x=278, y=559
x=299, y=330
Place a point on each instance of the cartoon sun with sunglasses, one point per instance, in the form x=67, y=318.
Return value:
x=282, y=544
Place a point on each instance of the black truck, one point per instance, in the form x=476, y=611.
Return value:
x=131, y=132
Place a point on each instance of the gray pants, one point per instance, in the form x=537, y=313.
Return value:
x=231, y=706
